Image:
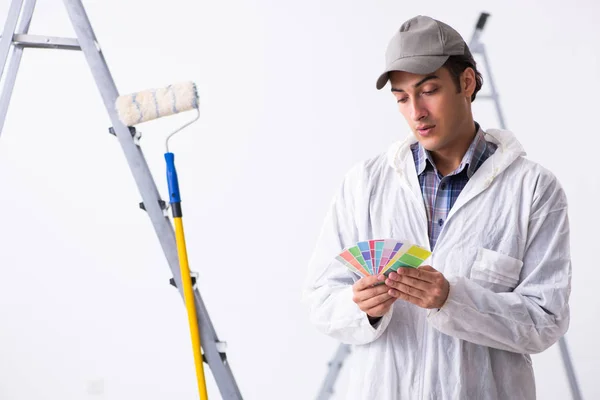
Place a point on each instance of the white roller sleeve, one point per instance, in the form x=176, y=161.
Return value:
x=143, y=106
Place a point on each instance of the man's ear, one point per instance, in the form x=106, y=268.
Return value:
x=468, y=82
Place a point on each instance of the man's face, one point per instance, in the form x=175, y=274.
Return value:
x=436, y=112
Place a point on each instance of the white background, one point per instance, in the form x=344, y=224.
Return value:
x=288, y=104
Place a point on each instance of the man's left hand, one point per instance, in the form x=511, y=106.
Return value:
x=423, y=286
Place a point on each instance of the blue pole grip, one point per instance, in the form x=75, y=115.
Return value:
x=174, y=196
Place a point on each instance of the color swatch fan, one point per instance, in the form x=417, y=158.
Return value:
x=382, y=256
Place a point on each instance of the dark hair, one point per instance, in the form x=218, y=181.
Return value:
x=456, y=66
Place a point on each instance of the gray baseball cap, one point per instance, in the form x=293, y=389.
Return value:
x=421, y=46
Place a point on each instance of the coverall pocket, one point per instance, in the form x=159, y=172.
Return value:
x=496, y=271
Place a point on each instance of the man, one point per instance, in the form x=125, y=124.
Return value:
x=498, y=281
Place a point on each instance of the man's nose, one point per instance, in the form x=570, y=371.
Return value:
x=417, y=111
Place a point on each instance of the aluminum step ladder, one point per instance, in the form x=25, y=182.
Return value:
x=15, y=38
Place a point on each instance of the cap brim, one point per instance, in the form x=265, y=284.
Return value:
x=415, y=65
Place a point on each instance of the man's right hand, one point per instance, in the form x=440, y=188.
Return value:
x=373, y=300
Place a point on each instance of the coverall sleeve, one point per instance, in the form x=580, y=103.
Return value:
x=533, y=316
x=328, y=287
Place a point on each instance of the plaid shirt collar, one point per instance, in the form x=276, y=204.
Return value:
x=471, y=160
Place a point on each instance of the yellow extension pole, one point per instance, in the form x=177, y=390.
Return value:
x=190, y=305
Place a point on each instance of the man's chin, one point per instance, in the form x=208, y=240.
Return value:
x=429, y=144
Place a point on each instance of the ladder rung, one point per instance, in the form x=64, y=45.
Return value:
x=45, y=42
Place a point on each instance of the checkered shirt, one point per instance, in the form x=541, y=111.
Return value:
x=440, y=192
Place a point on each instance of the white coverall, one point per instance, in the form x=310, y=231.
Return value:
x=504, y=249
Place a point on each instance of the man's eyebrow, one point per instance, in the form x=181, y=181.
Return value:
x=422, y=81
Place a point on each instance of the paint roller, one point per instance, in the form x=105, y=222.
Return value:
x=136, y=108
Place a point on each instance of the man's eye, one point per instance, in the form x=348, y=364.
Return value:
x=430, y=92
x=402, y=100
